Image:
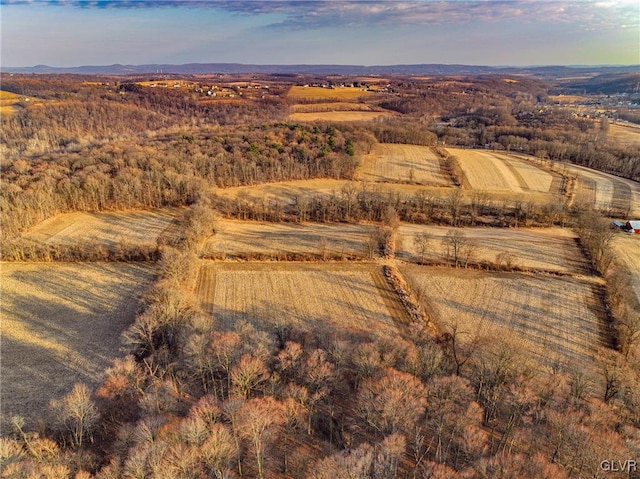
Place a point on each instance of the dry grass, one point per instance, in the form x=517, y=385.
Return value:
x=340, y=116
x=235, y=237
x=605, y=192
x=350, y=298
x=539, y=249
x=488, y=171
x=61, y=324
x=555, y=320
x=108, y=228
x=627, y=251
x=319, y=93
x=397, y=163
x=625, y=135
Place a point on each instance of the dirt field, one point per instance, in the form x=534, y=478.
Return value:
x=61, y=324
x=400, y=163
x=252, y=237
x=545, y=249
x=108, y=229
x=606, y=192
x=627, y=250
x=319, y=93
x=341, y=298
x=488, y=171
x=339, y=116
x=553, y=319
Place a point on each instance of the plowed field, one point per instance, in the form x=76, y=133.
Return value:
x=546, y=249
x=340, y=298
x=61, y=324
x=108, y=229
x=252, y=237
x=397, y=163
x=553, y=319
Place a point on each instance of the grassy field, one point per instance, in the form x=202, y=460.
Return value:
x=488, y=171
x=627, y=251
x=252, y=237
x=339, y=116
x=352, y=299
x=625, y=135
x=108, y=228
x=400, y=163
x=605, y=192
x=555, y=320
x=319, y=93
x=539, y=249
x=330, y=106
x=61, y=324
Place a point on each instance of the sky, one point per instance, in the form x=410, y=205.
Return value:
x=67, y=33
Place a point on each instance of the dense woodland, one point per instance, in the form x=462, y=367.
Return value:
x=198, y=398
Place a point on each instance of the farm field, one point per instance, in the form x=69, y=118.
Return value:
x=340, y=116
x=107, y=228
x=488, y=171
x=606, y=192
x=398, y=163
x=547, y=249
x=627, y=251
x=555, y=320
x=235, y=237
x=319, y=93
x=61, y=324
x=350, y=298
x=624, y=135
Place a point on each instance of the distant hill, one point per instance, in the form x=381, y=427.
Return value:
x=421, y=69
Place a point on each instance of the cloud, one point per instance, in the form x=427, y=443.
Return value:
x=304, y=14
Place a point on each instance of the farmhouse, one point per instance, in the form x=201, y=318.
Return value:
x=631, y=226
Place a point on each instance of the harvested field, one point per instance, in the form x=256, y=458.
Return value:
x=352, y=299
x=408, y=163
x=624, y=135
x=319, y=93
x=489, y=171
x=627, y=251
x=61, y=324
x=284, y=191
x=235, y=237
x=108, y=228
x=537, y=249
x=555, y=320
x=606, y=192
x=340, y=116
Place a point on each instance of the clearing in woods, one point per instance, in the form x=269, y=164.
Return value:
x=61, y=324
x=108, y=228
x=321, y=298
x=489, y=171
x=330, y=106
x=555, y=320
x=403, y=163
x=234, y=237
x=537, y=249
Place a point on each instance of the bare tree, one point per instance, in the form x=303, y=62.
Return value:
x=77, y=414
x=460, y=249
x=422, y=243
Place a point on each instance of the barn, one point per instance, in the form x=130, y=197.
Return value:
x=629, y=227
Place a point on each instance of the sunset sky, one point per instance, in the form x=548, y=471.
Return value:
x=478, y=32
